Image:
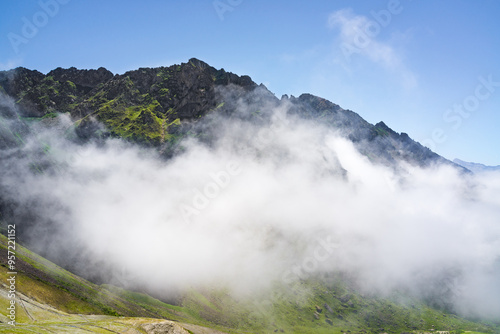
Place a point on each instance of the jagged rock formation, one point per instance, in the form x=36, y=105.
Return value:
x=145, y=105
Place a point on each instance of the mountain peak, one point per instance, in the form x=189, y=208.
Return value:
x=85, y=78
x=199, y=63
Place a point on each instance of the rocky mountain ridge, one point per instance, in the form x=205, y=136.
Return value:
x=158, y=106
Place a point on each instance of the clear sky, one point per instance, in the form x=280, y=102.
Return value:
x=427, y=68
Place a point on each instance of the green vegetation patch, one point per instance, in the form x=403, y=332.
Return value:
x=381, y=132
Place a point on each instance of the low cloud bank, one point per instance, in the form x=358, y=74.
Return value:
x=274, y=202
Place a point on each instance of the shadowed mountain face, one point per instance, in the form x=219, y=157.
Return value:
x=159, y=106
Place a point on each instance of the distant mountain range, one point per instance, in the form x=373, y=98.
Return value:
x=475, y=167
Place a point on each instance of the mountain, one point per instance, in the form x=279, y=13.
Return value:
x=160, y=112
x=475, y=167
x=158, y=106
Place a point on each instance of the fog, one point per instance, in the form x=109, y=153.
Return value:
x=275, y=202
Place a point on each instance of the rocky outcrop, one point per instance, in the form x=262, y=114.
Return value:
x=164, y=327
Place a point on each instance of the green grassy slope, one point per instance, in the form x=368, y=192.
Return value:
x=51, y=299
x=324, y=306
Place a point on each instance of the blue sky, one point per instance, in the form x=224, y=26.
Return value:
x=427, y=68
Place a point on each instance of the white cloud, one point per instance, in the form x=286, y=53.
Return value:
x=358, y=35
x=410, y=229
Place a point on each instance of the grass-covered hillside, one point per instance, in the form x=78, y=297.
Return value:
x=53, y=300
x=50, y=299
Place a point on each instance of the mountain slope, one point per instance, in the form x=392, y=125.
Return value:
x=51, y=299
x=144, y=105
